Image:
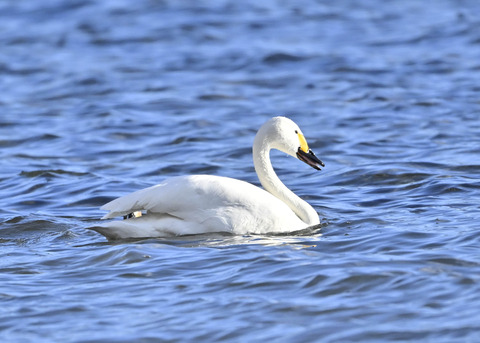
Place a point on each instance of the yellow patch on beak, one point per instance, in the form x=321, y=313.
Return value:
x=303, y=143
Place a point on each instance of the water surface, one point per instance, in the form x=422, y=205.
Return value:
x=103, y=98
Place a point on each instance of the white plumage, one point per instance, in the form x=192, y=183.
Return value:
x=204, y=203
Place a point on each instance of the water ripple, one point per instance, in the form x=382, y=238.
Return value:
x=104, y=98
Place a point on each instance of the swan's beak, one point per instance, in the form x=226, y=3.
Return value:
x=309, y=158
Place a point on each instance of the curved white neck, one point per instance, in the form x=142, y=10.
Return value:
x=270, y=181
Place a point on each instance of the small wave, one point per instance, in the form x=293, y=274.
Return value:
x=281, y=57
x=50, y=173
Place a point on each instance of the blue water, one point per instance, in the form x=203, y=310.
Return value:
x=101, y=98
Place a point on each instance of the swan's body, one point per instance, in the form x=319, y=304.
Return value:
x=205, y=203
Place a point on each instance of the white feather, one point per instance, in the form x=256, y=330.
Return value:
x=205, y=203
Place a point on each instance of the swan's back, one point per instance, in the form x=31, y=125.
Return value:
x=198, y=204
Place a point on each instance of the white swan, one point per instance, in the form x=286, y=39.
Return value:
x=204, y=203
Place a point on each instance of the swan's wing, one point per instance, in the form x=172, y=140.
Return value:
x=184, y=195
x=166, y=197
x=205, y=203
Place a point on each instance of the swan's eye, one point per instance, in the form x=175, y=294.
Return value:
x=296, y=131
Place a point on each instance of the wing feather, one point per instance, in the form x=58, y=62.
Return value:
x=219, y=203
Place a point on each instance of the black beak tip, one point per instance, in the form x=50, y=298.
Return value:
x=310, y=159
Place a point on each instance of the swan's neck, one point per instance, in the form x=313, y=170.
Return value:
x=270, y=181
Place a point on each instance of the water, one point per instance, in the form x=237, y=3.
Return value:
x=100, y=98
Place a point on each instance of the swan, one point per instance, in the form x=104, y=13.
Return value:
x=196, y=204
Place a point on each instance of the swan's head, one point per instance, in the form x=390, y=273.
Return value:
x=283, y=134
